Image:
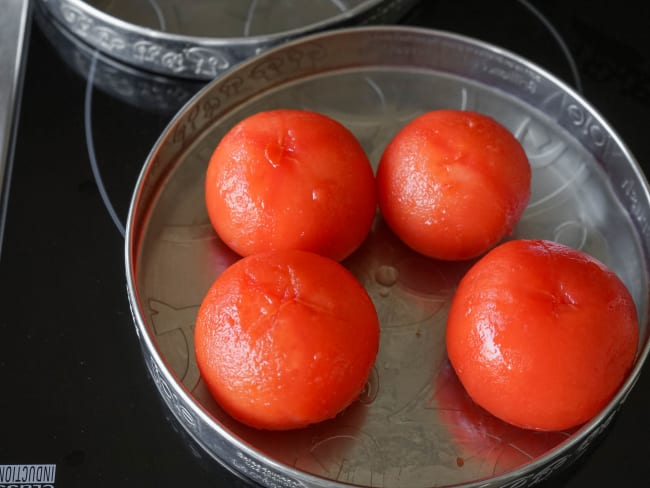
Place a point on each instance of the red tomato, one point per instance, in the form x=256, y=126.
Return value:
x=541, y=335
x=290, y=179
x=452, y=184
x=479, y=436
x=285, y=339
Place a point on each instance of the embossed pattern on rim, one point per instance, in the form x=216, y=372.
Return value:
x=600, y=178
x=194, y=57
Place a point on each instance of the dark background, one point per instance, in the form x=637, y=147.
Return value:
x=75, y=391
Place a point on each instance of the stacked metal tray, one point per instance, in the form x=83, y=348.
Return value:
x=204, y=38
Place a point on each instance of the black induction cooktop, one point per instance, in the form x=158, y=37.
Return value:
x=76, y=396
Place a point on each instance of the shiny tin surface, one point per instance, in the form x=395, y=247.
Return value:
x=204, y=38
x=413, y=426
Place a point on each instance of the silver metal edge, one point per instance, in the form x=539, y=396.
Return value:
x=14, y=37
x=107, y=19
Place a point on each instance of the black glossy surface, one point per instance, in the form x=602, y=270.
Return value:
x=75, y=391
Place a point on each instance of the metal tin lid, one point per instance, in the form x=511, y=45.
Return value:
x=202, y=39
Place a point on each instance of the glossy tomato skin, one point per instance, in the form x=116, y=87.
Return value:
x=452, y=183
x=541, y=335
x=285, y=339
x=480, y=436
x=290, y=179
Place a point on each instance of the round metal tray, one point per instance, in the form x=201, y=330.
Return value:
x=203, y=38
x=142, y=89
x=413, y=426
